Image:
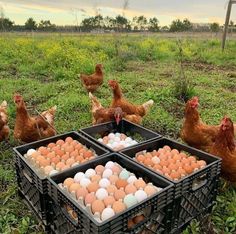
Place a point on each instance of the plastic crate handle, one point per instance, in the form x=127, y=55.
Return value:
x=27, y=176
x=199, y=182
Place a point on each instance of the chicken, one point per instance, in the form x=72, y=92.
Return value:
x=194, y=132
x=127, y=107
x=102, y=115
x=4, y=129
x=92, y=82
x=32, y=128
x=225, y=148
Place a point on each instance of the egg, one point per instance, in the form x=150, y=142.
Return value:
x=53, y=172
x=120, y=183
x=130, y=200
x=107, y=173
x=128, y=139
x=95, y=178
x=140, y=195
x=150, y=190
x=167, y=148
x=104, y=182
x=51, y=155
x=188, y=168
x=65, y=157
x=111, y=136
x=100, y=140
x=140, y=183
x=89, y=198
x=84, y=182
x=118, y=206
x=78, y=176
x=93, y=187
x=43, y=150
x=74, y=154
x=175, y=175
x=30, y=152
x=51, y=145
x=97, y=206
x=99, y=169
x=90, y=172
x=79, y=159
x=73, y=187
x=70, y=161
x=109, y=165
x=130, y=188
x=34, y=155
x=116, y=169
x=173, y=167
x=117, y=134
x=201, y=163
x=48, y=169
x=88, y=154
x=59, y=142
x=101, y=194
x=69, y=140
x=123, y=136
x=111, y=189
x=78, y=146
x=148, y=162
x=140, y=158
x=44, y=162
x=69, y=149
x=124, y=174
x=60, y=166
x=68, y=182
x=108, y=201
x=107, y=213
x=81, y=192
x=119, y=194
x=156, y=160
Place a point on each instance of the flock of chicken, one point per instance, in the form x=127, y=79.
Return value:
x=217, y=140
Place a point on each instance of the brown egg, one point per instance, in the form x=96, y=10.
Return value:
x=51, y=145
x=108, y=201
x=148, y=162
x=163, y=157
x=74, y=154
x=89, y=198
x=74, y=143
x=51, y=155
x=69, y=140
x=185, y=161
x=119, y=194
x=60, y=142
x=68, y=182
x=55, y=160
x=116, y=169
x=177, y=157
x=99, y=169
x=79, y=159
x=95, y=178
x=140, y=158
x=171, y=160
x=123, y=136
x=164, y=163
x=88, y=154
x=130, y=188
x=118, y=206
x=138, y=219
x=74, y=187
x=166, y=170
x=78, y=146
x=121, y=183
x=173, y=167
x=140, y=183
x=81, y=192
x=44, y=162
x=161, y=151
x=105, y=138
x=60, y=166
x=69, y=149
x=175, y=175
x=70, y=161
x=192, y=159
x=157, y=167
x=113, y=179
x=39, y=159
x=188, y=168
x=82, y=151
x=150, y=190
x=181, y=172
x=167, y=148
x=93, y=187
x=48, y=169
x=98, y=206
x=174, y=151
x=65, y=157
x=42, y=150
x=111, y=188
x=55, y=148
x=201, y=163
x=35, y=155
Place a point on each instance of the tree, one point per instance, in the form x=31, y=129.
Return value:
x=179, y=26
x=154, y=25
x=30, y=24
x=187, y=25
x=121, y=23
x=142, y=22
x=215, y=27
x=46, y=25
x=6, y=24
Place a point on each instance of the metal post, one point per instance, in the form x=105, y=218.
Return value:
x=231, y=2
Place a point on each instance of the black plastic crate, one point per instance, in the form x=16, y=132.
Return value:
x=137, y=132
x=156, y=205
x=37, y=202
x=40, y=181
x=191, y=198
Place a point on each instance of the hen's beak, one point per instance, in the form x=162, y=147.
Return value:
x=118, y=119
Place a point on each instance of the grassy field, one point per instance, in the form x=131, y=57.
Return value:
x=44, y=70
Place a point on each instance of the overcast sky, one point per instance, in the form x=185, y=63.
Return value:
x=62, y=12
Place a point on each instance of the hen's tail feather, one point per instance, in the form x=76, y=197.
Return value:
x=96, y=104
x=4, y=104
x=147, y=105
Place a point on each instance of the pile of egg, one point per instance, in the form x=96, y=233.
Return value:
x=107, y=190
x=117, y=141
x=59, y=156
x=170, y=162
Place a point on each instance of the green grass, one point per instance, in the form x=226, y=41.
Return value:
x=45, y=69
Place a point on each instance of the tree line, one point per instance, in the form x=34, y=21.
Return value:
x=110, y=24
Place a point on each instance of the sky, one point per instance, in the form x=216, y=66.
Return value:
x=64, y=12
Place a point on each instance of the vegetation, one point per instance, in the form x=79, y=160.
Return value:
x=44, y=70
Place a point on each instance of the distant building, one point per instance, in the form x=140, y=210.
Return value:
x=201, y=27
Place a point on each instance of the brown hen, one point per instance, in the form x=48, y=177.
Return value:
x=4, y=129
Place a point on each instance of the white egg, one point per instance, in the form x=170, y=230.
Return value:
x=107, y=213
x=75, y=164
x=122, y=143
x=111, y=136
x=53, y=172
x=114, y=145
x=109, y=145
x=30, y=152
x=128, y=139
x=140, y=195
x=104, y=182
x=78, y=176
x=107, y=173
x=131, y=179
x=109, y=165
x=90, y=172
x=117, y=134
x=84, y=182
x=155, y=160
x=117, y=139
x=100, y=140
x=133, y=142
x=101, y=194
